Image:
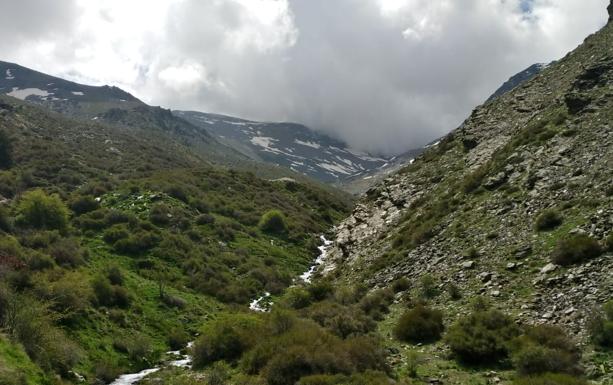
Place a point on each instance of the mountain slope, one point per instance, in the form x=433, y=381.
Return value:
x=114, y=245
x=289, y=145
x=468, y=212
x=518, y=79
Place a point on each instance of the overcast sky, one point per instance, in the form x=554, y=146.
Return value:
x=383, y=75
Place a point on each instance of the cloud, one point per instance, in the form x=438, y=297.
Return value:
x=383, y=75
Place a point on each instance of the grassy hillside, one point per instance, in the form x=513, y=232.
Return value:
x=115, y=246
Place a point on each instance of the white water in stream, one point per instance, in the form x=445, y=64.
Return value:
x=264, y=303
x=261, y=304
x=183, y=361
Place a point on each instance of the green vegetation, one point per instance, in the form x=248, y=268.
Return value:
x=575, y=249
x=274, y=222
x=601, y=326
x=548, y=220
x=482, y=337
x=41, y=211
x=109, y=260
x=545, y=349
x=420, y=324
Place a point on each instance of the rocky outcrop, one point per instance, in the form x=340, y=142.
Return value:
x=464, y=211
x=610, y=9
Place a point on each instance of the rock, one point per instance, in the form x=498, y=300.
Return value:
x=485, y=276
x=548, y=268
x=511, y=266
x=610, y=9
x=468, y=264
x=496, y=293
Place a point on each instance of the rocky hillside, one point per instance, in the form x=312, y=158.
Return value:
x=289, y=145
x=518, y=79
x=496, y=206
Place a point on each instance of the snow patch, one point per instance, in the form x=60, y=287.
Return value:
x=23, y=94
x=9, y=75
x=79, y=93
x=263, y=141
x=307, y=143
x=335, y=168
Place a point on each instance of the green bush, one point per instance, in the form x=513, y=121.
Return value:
x=115, y=233
x=41, y=211
x=601, y=326
x=68, y=253
x=428, y=288
x=137, y=243
x=177, y=339
x=545, y=349
x=550, y=379
x=482, y=337
x=274, y=222
x=548, y=220
x=84, y=204
x=575, y=249
x=420, y=324
x=401, y=284
x=377, y=303
x=297, y=297
x=225, y=338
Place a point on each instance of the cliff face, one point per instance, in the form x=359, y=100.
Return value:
x=464, y=212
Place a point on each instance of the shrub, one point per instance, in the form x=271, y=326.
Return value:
x=428, y=287
x=482, y=337
x=115, y=275
x=298, y=298
x=400, y=285
x=420, y=324
x=550, y=379
x=38, y=210
x=601, y=326
x=575, y=249
x=544, y=349
x=115, y=233
x=273, y=221
x=107, y=371
x=548, y=220
x=67, y=252
x=84, y=204
x=225, y=338
x=137, y=243
x=205, y=219
x=454, y=292
x=160, y=214
x=177, y=339
x=377, y=303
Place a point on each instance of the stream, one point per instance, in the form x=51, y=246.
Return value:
x=261, y=304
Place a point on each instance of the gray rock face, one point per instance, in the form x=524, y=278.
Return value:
x=610, y=9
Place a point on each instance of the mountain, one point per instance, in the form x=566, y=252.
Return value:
x=290, y=145
x=519, y=78
x=513, y=209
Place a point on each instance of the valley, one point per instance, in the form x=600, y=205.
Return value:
x=144, y=246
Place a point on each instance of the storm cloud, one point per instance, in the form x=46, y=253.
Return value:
x=382, y=75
